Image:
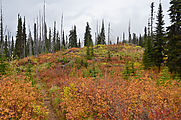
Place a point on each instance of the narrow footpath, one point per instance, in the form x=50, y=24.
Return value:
x=47, y=100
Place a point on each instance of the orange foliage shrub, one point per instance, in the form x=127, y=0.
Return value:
x=19, y=100
x=110, y=96
x=137, y=99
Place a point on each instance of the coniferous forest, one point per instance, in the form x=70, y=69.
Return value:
x=49, y=74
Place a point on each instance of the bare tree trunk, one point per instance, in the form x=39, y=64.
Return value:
x=24, y=40
x=61, y=34
x=97, y=30
x=30, y=43
x=35, y=40
x=9, y=46
x=42, y=36
x=129, y=32
x=109, y=33
x=54, y=38
x=44, y=22
x=1, y=41
x=40, y=33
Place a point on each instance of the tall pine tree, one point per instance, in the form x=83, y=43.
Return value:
x=19, y=41
x=158, y=43
x=12, y=47
x=24, y=38
x=49, y=45
x=134, y=41
x=124, y=40
x=87, y=36
x=129, y=33
x=35, y=40
x=147, y=56
x=73, y=38
x=152, y=18
x=63, y=40
x=101, y=36
x=6, y=47
x=140, y=41
x=30, y=44
x=174, y=38
x=57, y=41
x=79, y=44
x=1, y=33
x=54, y=37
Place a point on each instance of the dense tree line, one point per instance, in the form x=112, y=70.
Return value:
x=164, y=47
x=174, y=38
x=161, y=47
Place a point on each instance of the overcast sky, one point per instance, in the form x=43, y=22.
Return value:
x=78, y=12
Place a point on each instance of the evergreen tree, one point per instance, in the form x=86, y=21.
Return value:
x=124, y=40
x=73, y=38
x=30, y=44
x=45, y=39
x=24, y=38
x=9, y=46
x=140, y=41
x=174, y=37
x=99, y=39
x=67, y=43
x=134, y=41
x=63, y=40
x=49, y=45
x=158, y=43
x=58, y=41
x=12, y=47
x=129, y=32
x=54, y=37
x=35, y=41
x=101, y=36
x=1, y=34
x=90, y=52
x=145, y=36
x=19, y=41
x=152, y=14
x=88, y=36
x=117, y=40
x=6, y=47
x=147, y=60
x=27, y=46
x=79, y=44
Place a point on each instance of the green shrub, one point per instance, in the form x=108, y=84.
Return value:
x=29, y=76
x=121, y=57
x=79, y=62
x=49, y=64
x=3, y=66
x=65, y=60
x=129, y=70
x=92, y=72
x=109, y=55
x=90, y=52
x=165, y=78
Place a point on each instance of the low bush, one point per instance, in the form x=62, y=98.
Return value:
x=3, y=66
x=21, y=101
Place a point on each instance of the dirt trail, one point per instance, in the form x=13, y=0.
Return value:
x=47, y=100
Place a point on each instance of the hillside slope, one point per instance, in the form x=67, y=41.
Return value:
x=111, y=85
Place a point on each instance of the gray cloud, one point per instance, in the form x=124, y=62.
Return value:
x=78, y=12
